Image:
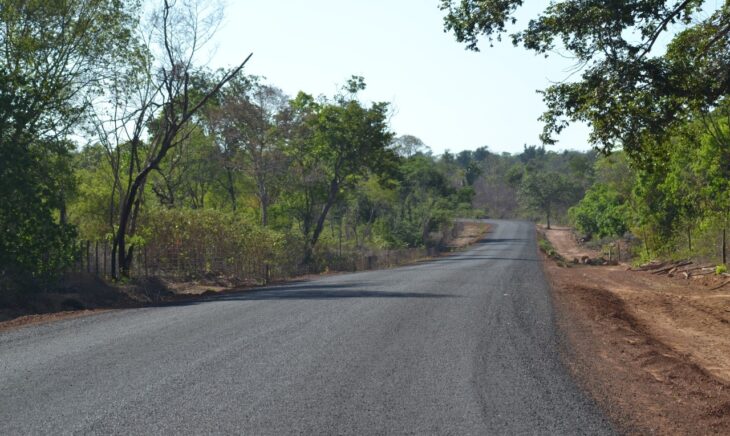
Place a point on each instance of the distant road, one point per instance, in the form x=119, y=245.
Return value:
x=461, y=345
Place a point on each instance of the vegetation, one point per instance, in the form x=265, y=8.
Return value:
x=626, y=92
x=111, y=132
x=664, y=108
x=114, y=134
x=53, y=56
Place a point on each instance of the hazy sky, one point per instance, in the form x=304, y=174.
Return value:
x=449, y=97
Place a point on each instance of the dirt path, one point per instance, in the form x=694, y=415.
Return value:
x=653, y=350
x=563, y=240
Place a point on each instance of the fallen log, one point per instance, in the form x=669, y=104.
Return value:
x=695, y=268
x=649, y=266
x=670, y=268
x=703, y=273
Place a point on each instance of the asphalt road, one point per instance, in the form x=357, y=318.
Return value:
x=460, y=345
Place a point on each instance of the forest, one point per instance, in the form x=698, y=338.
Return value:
x=113, y=131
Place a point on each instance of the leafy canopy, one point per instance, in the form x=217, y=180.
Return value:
x=627, y=92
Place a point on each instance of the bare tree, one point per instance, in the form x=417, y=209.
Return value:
x=151, y=104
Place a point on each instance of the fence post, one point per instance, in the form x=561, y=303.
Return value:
x=88, y=256
x=104, y=249
x=96, y=257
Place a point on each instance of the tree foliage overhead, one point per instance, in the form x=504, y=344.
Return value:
x=629, y=91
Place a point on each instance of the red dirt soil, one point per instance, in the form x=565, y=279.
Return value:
x=654, y=351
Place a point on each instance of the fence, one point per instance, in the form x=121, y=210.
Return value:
x=211, y=263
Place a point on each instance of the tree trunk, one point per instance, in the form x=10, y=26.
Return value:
x=231, y=188
x=62, y=209
x=331, y=197
x=128, y=208
x=263, y=195
x=113, y=271
x=548, y=219
x=339, y=249
x=689, y=238
x=724, y=247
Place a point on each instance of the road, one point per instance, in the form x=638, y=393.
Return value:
x=461, y=345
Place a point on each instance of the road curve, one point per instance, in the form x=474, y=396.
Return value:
x=460, y=345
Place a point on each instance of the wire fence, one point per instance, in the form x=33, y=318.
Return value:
x=212, y=263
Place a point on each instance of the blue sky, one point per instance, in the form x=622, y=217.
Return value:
x=449, y=97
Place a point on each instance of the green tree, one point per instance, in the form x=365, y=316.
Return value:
x=54, y=54
x=545, y=191
x=629, y=89
x=339, y=143
x=251, y=122
x=424, y=205
x=602, y=212
x=713, y=163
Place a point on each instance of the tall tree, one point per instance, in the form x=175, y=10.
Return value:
x=54, y=55
x=629, y=89
x=341, y=142
x=545, y=191
x=153, y=105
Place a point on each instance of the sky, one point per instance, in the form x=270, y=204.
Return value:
x=451, y=98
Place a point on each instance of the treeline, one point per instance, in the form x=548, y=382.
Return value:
x=675, y=203
x=536, y=184
x=652, y=81
x=300, y=173
x=109, y=131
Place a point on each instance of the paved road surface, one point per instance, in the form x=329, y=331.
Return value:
x=461, y=345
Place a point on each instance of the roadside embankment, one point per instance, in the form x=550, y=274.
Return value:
x=653, y=350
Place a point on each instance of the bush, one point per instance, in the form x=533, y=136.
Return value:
x=601, y=212
x=197, y=242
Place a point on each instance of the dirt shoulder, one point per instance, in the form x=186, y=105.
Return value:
x=654, y=351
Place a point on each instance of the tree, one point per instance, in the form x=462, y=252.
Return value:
x=425, y=202
x=627, y=93
x=54, y=56
x=186, y=176
x=713, y=163
x=409, y=145
x=545, y=191
x=601, y=212
x=248, y=120
x=336, y=144
x=153, y=105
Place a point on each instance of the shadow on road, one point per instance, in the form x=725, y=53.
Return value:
x=310, y=291
x=461, y=258
x=503, y=241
